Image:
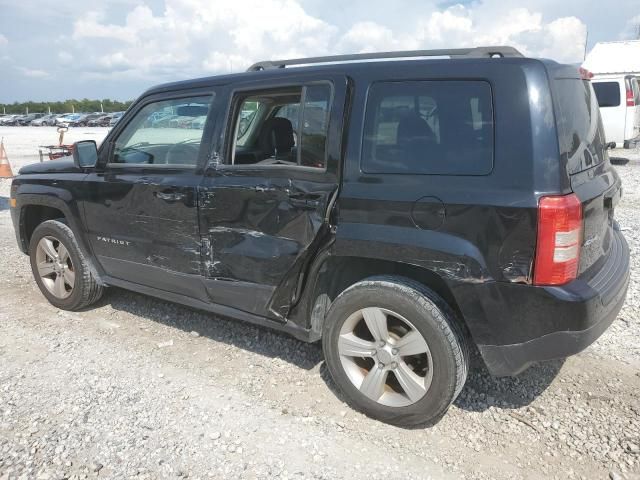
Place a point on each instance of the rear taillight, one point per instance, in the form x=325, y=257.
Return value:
x=559, y=238
x=630, y=99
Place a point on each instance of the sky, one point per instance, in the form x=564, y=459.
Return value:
x=53, y=50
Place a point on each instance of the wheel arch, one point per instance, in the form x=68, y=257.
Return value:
x=34, y=209
x=34, y=214
x=334, y=274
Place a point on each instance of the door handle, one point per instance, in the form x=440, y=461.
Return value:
x=302, y=200
x=170, y=197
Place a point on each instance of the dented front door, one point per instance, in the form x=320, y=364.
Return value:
x=141, y=207
x=143, y=225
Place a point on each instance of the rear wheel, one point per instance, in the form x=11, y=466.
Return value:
x=395, y=350
x=60, y=269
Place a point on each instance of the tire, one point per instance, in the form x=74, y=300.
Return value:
x=409, y=308
x=78, y=290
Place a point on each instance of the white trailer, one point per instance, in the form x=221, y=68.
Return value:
x=616, y=80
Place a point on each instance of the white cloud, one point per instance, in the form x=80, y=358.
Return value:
x=65, y=57
x=632, y=29
x=453, y=25
x=3, y=40
x=223, y=62
x=369, y=37
x=195, y=37
x=458, y=26
x=564, y=39
x=33, y=73
x=89, y=26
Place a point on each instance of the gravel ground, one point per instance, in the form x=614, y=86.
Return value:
x=140, y=388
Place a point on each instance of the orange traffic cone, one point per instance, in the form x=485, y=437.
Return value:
x=5, y=168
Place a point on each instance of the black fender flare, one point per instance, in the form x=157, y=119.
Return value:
x=61, y=200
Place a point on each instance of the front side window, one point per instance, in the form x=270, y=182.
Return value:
x=286, y=126
x=429, y=127
x=168, y=132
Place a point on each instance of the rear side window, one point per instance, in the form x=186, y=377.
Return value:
x=580, y=132
x=286, y=126
x=608, y=93
x=429, y=127
x=315, y=124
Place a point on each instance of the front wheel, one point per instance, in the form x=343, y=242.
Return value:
x=396, y=351
x=60, y=269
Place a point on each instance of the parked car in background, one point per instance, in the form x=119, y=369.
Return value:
x=78, y=121
x=46, y=120
x=115, y=117
x=82, y=120
x=13, y=120
x=156, y=117
x=7, y=119
x=619, y=100
x=27, y=119
x=58, y=116
x=68, y=119
x=62, y=118
x=199, y=122
x=181, y=121
x=86, y=118
x=163, y=120
x=99, y=121
x=74, y=121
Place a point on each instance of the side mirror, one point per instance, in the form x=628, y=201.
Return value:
x=610, y=145
x=85, y=154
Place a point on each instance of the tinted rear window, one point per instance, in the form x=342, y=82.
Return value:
x=580, y=132
x=608, y=93
x=429, y=127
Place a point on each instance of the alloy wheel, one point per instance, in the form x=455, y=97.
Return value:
x=385, y=357
x=55, y=267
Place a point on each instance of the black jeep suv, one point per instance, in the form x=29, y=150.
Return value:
x=397, y=210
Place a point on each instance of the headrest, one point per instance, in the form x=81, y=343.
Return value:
x=276, y=135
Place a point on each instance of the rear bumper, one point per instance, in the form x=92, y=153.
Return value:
x=556, y=322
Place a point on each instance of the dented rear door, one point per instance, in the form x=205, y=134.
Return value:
x=261, y=224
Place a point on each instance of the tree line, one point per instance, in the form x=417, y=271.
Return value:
x=85, y=105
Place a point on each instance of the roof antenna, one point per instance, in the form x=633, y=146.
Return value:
x=586, y=40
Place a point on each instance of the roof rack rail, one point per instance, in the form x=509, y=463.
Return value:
x=474, y=52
